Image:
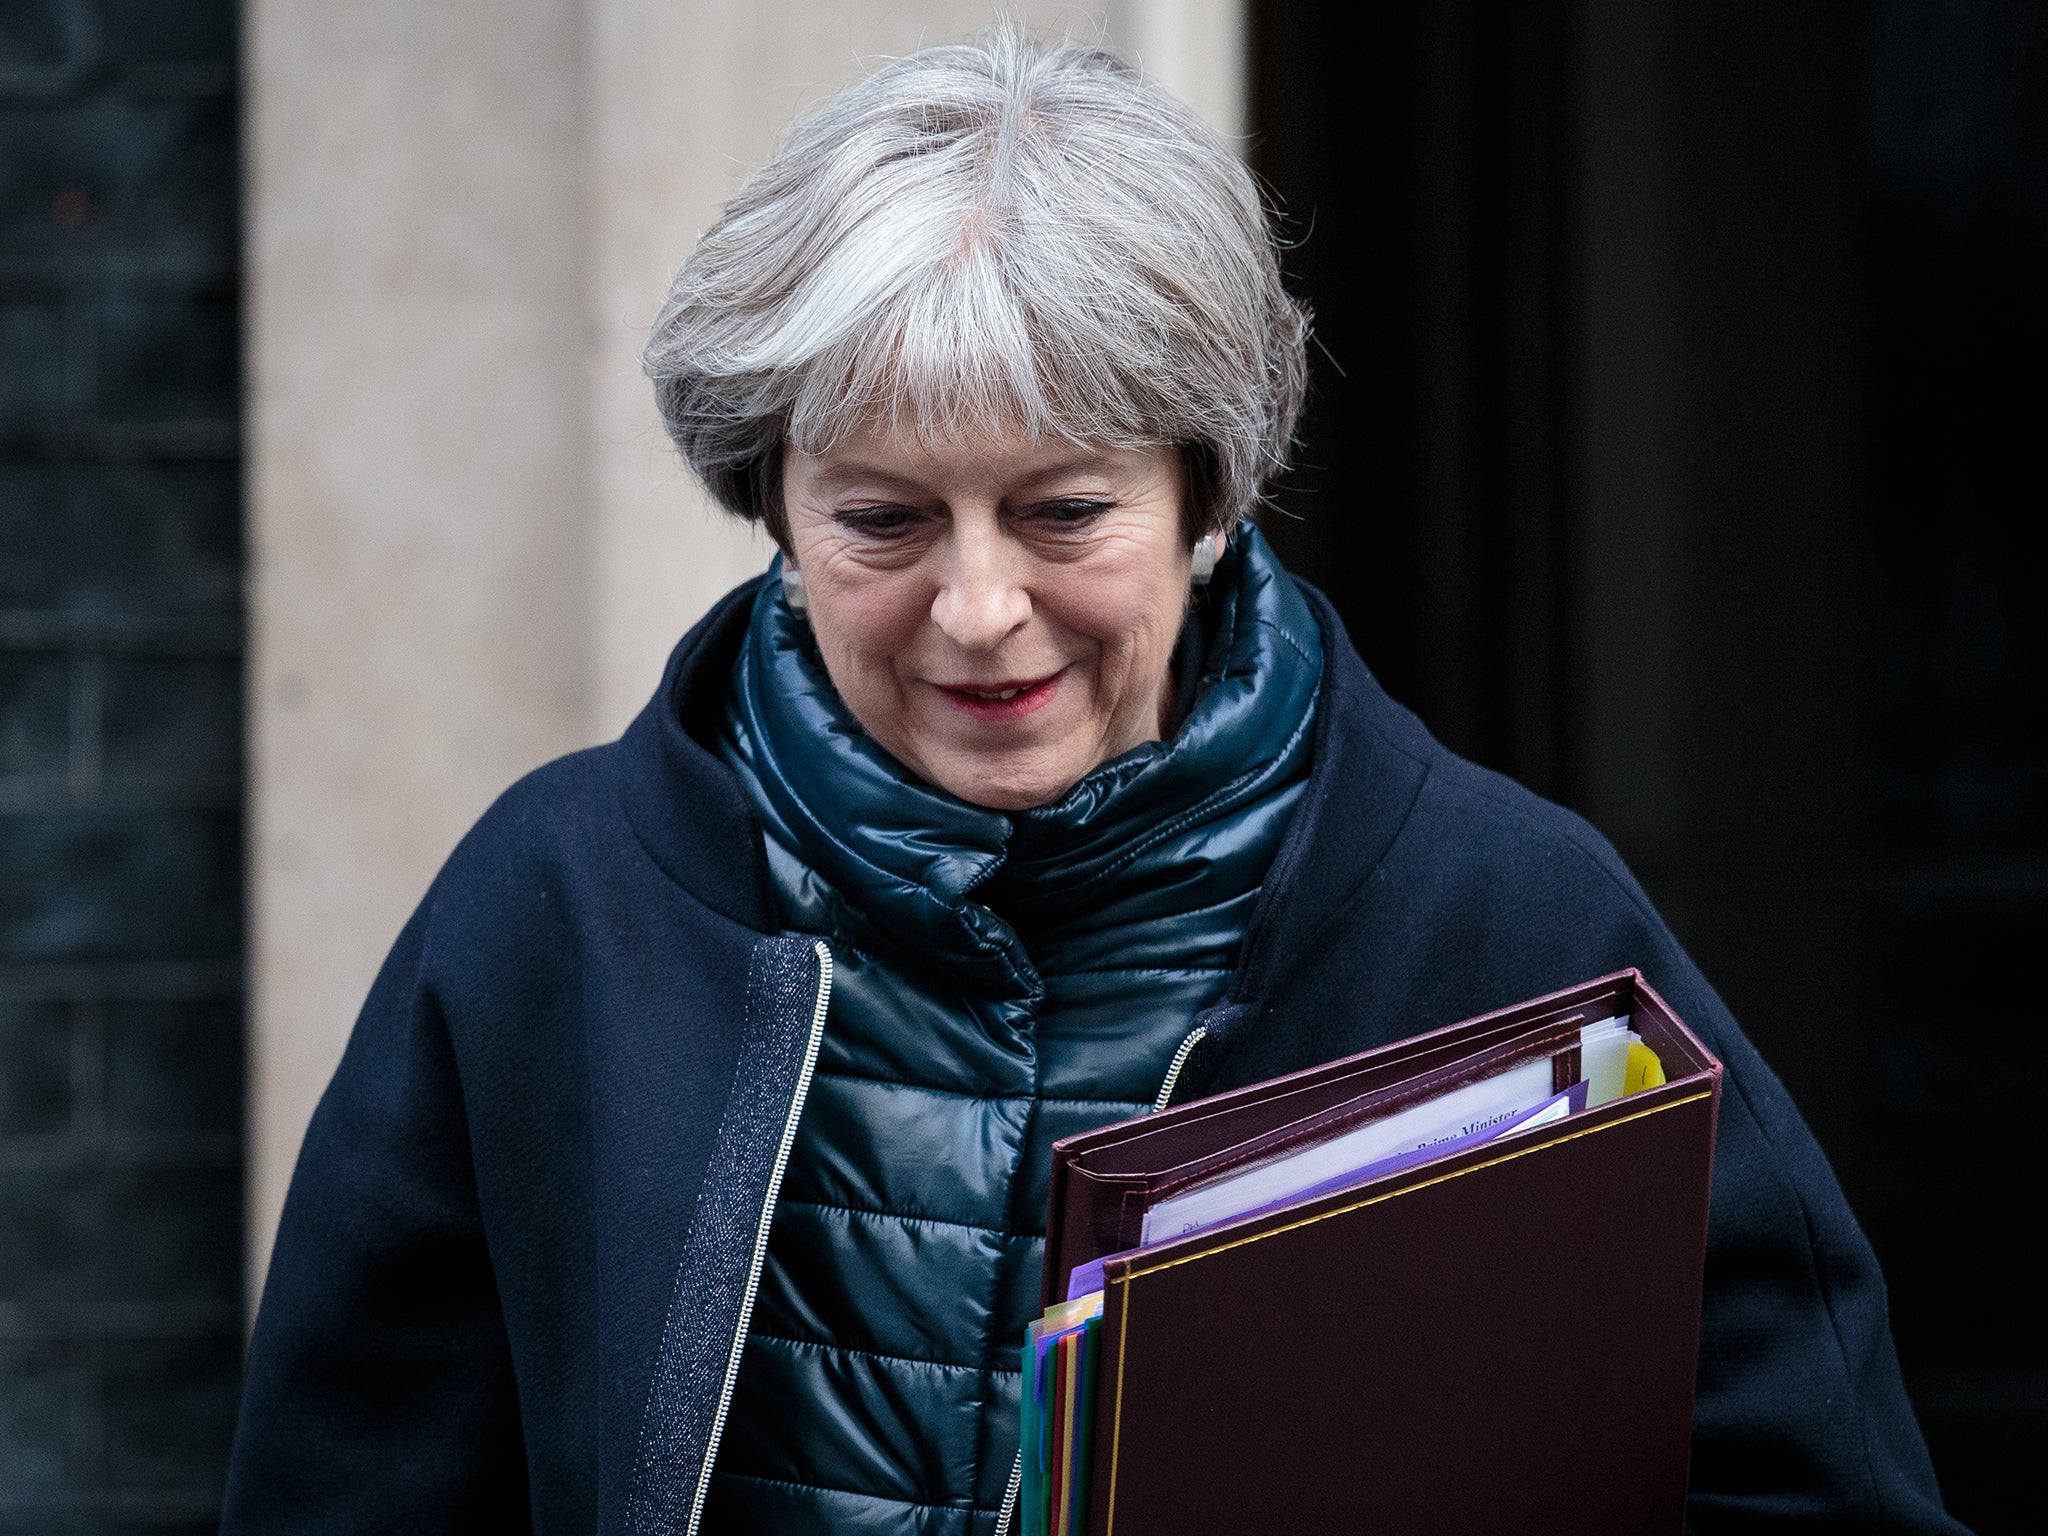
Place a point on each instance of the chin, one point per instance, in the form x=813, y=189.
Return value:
x=1023, y=800
x=999, y=788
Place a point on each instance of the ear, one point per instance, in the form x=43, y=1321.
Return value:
x=793, y=592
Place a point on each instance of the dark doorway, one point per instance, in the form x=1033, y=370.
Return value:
x=1675, y=448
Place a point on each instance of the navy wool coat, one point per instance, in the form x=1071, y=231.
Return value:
x=509, y=1284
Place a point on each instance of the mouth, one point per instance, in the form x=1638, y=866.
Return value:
x=1008, y=699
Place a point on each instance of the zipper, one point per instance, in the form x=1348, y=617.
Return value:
x=1010, y=1495
x=1180, y=1060
x=739, y=1338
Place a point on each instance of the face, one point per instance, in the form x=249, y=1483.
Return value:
x=1001, y=615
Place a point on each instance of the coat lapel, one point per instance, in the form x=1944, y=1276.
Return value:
x=704, y=1330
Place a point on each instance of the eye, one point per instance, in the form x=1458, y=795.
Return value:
x=1071, y=511
x=881, y=522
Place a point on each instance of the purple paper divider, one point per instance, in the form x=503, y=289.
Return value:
x=1089, y=1277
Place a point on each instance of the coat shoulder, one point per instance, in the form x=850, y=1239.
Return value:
x=1492, y=828
x=655, y=808
x=1472, y=847
x=1394, y=816
x=546, y=834
x=545, y=816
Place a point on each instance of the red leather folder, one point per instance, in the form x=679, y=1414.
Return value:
x=1504, y=1339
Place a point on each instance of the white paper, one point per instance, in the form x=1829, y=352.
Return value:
x=1444, y=1118
x=1557, y=1109
x=1603, y=1057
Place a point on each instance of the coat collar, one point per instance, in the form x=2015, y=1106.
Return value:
x=1371, y=757
x=684, y=805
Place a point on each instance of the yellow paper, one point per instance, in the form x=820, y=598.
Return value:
x=1644, y=1070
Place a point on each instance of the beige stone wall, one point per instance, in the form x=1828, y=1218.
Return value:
x=1196, y=48
x=471, y=546
x=419, y=577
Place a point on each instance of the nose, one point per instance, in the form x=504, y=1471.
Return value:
x=981, y=599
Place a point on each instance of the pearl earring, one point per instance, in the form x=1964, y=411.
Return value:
x=793, y=589
x=1208, y=550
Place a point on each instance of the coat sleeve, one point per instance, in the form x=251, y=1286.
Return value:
x=1801, y=1422
x=379, y=1394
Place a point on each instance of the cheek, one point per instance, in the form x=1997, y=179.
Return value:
x=864, y=622
x=1133, y=614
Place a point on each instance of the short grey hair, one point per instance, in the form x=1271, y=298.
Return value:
x=981, y=237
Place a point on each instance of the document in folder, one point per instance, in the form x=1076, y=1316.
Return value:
x=1450, y=1284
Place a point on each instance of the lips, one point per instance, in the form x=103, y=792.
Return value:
x=1005, y=699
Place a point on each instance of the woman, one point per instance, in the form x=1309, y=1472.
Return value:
x=687, y=1168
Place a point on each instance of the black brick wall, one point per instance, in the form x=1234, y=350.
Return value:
x=120, y=764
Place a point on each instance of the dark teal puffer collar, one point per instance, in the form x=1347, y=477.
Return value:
x=907, y=854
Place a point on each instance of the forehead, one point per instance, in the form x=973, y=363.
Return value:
x=901, y=456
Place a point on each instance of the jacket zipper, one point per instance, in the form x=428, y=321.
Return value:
x=1165, y=1097
x=739, y=1338
x=1010, y=1495
x=1180, y=1060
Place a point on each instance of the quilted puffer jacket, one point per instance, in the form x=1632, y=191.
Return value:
x=1000, y=981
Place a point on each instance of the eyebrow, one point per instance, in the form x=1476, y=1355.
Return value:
x=842, y=475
